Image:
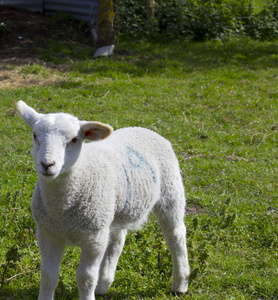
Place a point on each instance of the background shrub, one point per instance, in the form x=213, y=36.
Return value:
x=264, y=25
x=198, y=19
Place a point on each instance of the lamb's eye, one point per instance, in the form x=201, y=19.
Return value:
x=36, y=139
x=72, y=141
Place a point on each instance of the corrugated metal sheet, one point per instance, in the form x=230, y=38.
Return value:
x=86, y=10
x=33, y=5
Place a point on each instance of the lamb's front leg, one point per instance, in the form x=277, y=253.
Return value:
x=52, y=252
x=92, y=252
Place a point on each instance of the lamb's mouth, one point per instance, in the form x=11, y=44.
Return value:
x=49, y=175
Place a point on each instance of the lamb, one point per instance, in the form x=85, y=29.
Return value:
x=90, y=194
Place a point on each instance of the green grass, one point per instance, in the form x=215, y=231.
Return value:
x=217, y=103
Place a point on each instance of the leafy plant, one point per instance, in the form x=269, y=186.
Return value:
x=198, y=20
x=264, y=25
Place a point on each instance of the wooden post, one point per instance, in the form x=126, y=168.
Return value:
x=150, y=13
x=105, y=31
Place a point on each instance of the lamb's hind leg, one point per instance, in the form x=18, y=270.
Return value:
x=92, y=251
x=171, y=221
x=110, y=260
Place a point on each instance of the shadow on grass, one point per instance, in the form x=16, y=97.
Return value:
x=23, y=294
x=127, y=295
x=186, y=57
x=138, y=59
x=148, y=294
x=32, y=294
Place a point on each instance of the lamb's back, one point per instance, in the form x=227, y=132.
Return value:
x=139, y=159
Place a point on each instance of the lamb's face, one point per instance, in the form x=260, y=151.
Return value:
x=57, y=142
x=58, y=139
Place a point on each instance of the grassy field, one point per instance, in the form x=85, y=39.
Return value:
x=217, y=103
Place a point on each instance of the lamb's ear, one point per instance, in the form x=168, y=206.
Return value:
x=28, y=114
x=94, y=131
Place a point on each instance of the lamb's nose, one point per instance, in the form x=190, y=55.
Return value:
x=47, y=166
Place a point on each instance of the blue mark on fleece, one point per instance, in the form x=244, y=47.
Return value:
x=128, y=189
x=136, y=161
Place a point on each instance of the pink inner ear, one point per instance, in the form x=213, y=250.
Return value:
x=90, y=133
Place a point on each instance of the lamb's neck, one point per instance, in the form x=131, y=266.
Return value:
x=59, y=192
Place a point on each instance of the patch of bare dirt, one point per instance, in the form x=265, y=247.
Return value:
x=25, y=36
x=16, y=79
x=23, y=31
x=20, y=29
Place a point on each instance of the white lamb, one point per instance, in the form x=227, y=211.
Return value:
x=90, y=194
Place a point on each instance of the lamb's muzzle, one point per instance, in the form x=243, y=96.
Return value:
x=47, y=166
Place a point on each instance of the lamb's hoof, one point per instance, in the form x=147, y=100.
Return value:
x=100, y=291
x=177, y=294
x=103, y=286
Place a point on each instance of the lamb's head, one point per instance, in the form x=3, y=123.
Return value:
x=58, y=138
